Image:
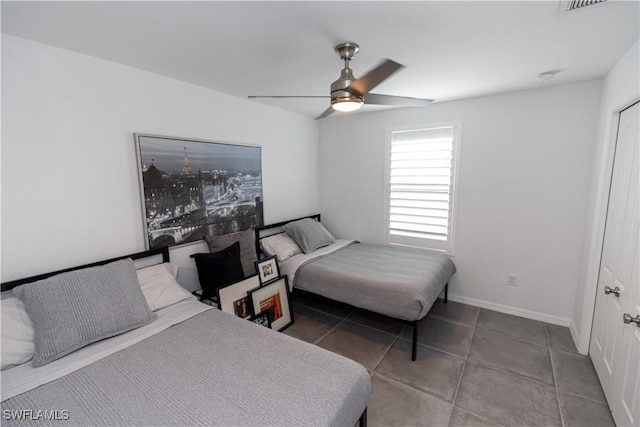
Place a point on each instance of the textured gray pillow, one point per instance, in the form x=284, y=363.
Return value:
x=248, y=255
x=308, y=234
x=74, y=309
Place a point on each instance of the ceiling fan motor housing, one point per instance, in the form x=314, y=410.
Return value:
x=340, y=86
x=339, y=90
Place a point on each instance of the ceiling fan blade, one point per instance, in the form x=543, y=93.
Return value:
x=325, y=113
x=376, y=76
x=399, y=101
x=286, y=96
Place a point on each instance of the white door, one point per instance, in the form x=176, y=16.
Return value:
x=615, y=344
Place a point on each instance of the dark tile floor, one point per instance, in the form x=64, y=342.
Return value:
x=475, y=367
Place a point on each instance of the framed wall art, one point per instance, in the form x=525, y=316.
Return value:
x=234, y=298
x=274, y=297
x=267, y=269
x=191, y=188
x=262, y=319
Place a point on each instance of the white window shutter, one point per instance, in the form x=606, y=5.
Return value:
x=420, y=165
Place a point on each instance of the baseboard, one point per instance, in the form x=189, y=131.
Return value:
x=534, y=315
x=577, y=339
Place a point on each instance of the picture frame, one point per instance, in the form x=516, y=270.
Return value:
x=191, y=188
x=263, y=318
x=234, y=298
x=267, y=269
x=275, y=298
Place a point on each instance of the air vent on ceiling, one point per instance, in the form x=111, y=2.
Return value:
x=571, y=5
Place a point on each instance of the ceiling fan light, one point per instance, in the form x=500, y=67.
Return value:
x=345, y=104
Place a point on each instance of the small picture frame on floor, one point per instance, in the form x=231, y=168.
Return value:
x=234, y=298
x=267, y=270
x=262, y=318
x=275, y=298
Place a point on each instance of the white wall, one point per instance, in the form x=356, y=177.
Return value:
x=621, y=87
x=524, y=177
x=69, y=173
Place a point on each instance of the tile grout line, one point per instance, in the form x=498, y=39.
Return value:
x=341, y=319
x=482, y=418
x=531, y=379
x=402, y=384
x=455, y=395
x=411, y=388
x=590, y=399
x=440, y=317
x=318, y=310
x=464, y=365
x=574, y=354
x=396, y=335
x=375, y=366
x=372, y=328
x=517, y=338
x=317, y=342
x=432, y=347
x=582, y=396
x=555, y=379
x=475, y=327
x=345, y=319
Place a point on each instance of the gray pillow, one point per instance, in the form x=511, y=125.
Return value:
x=74, y=309
x=309, y=234
x=248, y=255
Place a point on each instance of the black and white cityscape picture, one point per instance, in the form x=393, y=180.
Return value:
x=193, y=188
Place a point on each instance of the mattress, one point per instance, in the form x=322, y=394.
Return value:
x=210, y=369
x=399, y=282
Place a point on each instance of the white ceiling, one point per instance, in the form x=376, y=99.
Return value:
x=452, y=49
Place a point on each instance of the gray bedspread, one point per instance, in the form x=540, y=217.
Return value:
x=398, y=282
x=212, y=369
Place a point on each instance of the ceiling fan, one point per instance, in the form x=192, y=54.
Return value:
x=349, y=93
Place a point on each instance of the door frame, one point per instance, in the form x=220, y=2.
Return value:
x=596, y=237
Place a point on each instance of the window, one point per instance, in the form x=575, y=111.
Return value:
x=420, y=177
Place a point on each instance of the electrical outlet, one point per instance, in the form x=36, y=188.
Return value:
x=512, y=279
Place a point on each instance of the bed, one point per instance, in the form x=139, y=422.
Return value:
x=188, y=364
x=401, y=283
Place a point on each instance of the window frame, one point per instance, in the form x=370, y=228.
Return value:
x=448, y=246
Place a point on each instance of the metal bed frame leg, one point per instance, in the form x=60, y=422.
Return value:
x=414, y=346
x=362, y=422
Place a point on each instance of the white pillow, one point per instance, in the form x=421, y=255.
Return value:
x=280, y=245
x=18, y=343
x=159, y=286
x=331, y=236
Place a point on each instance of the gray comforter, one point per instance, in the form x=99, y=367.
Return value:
x=398, y=282
x=212, y=369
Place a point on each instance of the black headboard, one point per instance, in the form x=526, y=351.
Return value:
x=259, y=230
x=6, y=286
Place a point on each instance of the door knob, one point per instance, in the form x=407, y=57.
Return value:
x=626, y=318
x=615, y=291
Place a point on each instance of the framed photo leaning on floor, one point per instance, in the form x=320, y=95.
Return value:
x=267, y=269
x=263, y=319
x=234, y=298
x=275, y=298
